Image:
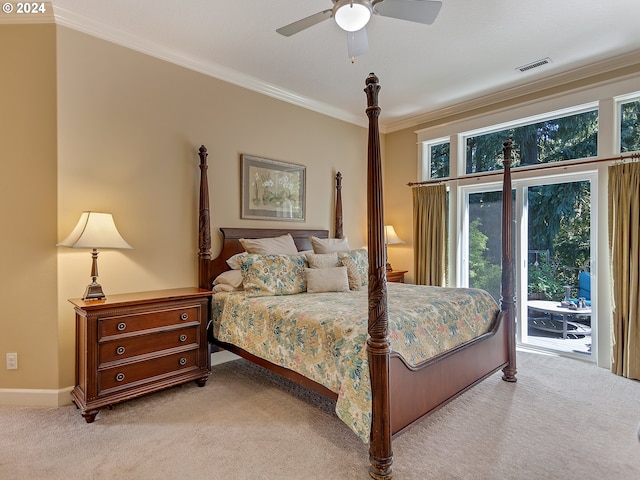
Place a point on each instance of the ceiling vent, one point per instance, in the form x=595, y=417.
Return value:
x=536, y=64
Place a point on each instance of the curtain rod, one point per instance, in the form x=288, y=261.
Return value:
x=542, y=166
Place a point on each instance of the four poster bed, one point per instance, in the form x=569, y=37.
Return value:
x=385, y=377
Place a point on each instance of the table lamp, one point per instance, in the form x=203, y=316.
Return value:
x=390, y=238
x=94, y=230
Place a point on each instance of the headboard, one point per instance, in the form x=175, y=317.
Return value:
x=208, y=268
x=231, y=244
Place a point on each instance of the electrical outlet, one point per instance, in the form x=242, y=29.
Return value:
x=12, y=361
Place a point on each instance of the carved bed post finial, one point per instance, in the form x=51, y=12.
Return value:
x=204, y=227
x=507, y=300
x=338, y=225
x=378, y=349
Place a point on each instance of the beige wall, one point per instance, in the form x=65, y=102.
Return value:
x=128, y=129
x=400, y=168
x=28, y=291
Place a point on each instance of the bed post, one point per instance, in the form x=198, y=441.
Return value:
x=338, y=225
x=507, y=301
x=378, y=349
x=204, y=228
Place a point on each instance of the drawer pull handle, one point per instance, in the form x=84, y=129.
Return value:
x=183, y=337
x=184, y=316
x=120, y=350
x=122, y=326
x=183, y=362
x=120, y=377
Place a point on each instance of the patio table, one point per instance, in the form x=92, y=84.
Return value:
x=554, y=308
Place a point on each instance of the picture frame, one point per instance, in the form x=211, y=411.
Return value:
x=272, y=190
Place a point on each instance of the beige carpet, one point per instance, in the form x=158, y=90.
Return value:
x=564, y=419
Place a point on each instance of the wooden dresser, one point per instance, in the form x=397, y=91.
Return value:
x=129, y=345
x=396, y=276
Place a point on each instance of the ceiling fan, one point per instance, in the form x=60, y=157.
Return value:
x=353, y=15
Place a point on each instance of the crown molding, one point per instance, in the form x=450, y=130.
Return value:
x=601, y=72
x=74, y=21
x=598, y=71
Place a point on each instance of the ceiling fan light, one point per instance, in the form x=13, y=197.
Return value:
x=352, y=15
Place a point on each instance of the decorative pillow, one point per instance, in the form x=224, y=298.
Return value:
x=232, y=278
x=353, y=275
x=283, y=245
x=321, y=280
x=233, y=260
x=323, y=260
x=328, y=245
x=357, y=263
x=264, y=275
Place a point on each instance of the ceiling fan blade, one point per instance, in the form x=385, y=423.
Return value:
x=357, y=43
x=420, y=11
x=307, y=22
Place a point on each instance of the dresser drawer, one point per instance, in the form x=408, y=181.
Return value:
x=127, y=347
x=123, y=375
x=123, y=324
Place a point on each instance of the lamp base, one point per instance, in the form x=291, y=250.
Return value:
x=93, y=292
x=389, y=267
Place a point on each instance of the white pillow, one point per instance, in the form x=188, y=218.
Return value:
x=222, y=287
x=328, y=245
x=233, y=261
x=321, y=280
x=283, y=245
x=232, y=278
x=323, y=260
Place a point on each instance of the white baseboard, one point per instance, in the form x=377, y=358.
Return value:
x=20, y=397
x=25, y=397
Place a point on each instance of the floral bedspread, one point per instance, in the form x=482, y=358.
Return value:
x=323, y=336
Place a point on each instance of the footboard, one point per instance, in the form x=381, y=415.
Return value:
x=418, y=391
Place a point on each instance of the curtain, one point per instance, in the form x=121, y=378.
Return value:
x=624, y=249
x=430, y=234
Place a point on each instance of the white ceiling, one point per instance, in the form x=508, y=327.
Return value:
x=471, y=52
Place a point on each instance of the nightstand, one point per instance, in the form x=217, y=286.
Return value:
x=132, y=344
x=396, y=276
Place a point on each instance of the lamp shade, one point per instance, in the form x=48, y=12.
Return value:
x=95, y=230
x=352, y=15
x=390, y=236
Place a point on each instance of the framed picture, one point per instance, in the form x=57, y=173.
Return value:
x=272, y=190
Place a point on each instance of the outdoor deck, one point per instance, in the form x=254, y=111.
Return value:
x=574, y=344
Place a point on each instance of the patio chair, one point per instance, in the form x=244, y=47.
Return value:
x=584, y=286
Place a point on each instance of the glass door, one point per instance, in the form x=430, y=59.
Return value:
x=555, y=274
x=554, y=225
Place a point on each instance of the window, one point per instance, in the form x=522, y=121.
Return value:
x=485, y=241
x=552, y=140
x=436, y=164
x=630, y=126
x=555, y=210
